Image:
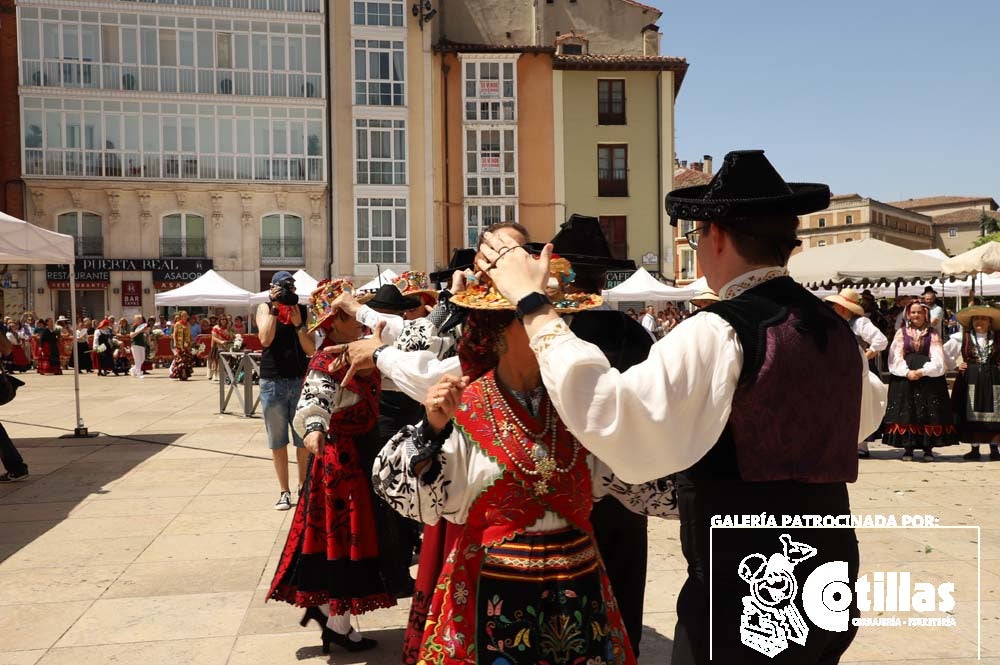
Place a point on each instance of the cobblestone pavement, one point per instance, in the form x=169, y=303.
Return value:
x=155, y=541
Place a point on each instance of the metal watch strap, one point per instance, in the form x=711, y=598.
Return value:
x=315, y=427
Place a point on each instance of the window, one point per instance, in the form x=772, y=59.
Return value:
x=480, y=216
x=572, y=49
x=611, y=102
x=378, y=73
x=952, y=232
x=172, y=54
x=612, y=170
x=281, y=239
x=382, y=231
x=380, y=147
x=821, y=223
x=490, y=91
x=688, y=264
x=821, y=243
x=615, y=229
x=684, y=226
x=183, y=234
x=119, y=139
x=383, y=13
x=849, y=220
x=86, y=229
x=490, y=162
x=310, y=6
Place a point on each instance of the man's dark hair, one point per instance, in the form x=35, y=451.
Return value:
x=493, y=228
x=770, y=242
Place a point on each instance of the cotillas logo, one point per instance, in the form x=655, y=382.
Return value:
x=770, y=618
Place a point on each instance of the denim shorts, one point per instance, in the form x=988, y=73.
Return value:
x=279, y=397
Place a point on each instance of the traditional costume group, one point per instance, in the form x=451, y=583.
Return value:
x=702, y=424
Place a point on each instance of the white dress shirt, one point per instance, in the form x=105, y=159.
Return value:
x=865, y=330
x=662, y=415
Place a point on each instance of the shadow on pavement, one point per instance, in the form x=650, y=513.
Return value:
x=64, y=474
x=654, y=647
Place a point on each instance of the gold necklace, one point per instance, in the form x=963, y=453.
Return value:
x=545, y=464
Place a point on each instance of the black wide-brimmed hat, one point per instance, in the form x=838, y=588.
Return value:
x=582, y=241
x=622, y=339
x=390, y=298
x=461, y=259
x=747, y=186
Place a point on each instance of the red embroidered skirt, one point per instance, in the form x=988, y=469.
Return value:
x=331, y=554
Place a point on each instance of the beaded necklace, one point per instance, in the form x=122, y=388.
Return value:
x=543, y=465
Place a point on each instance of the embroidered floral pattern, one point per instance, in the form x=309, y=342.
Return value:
x=747, y=281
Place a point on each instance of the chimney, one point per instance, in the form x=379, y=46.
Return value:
x=651, y=40
x=708, y=164
x=684, y=164
x=696, y=166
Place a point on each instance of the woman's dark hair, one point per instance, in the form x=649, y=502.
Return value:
x=482, y=332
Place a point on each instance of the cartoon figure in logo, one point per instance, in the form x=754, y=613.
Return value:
x=770, y=618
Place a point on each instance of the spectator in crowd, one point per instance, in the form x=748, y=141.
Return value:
x=287, y=345
x=196, y=327
x=14, y=467
x=140, y=345
x=937, y=315
x=105, y=347
x=648, y=321
x=239, y=328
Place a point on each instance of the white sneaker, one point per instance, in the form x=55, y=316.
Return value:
x=284, y=501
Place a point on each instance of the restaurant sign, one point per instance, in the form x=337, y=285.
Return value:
x=99, y=270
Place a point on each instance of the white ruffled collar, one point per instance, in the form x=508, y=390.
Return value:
x=748, y=280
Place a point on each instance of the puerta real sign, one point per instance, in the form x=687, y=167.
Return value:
x=164, y=270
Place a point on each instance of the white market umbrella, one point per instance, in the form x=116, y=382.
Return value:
x=24, y=243
x=305, y=284
x=864, y=261
x=209, y=289
x=387, y=276
x=642, y=286
x=985, y=258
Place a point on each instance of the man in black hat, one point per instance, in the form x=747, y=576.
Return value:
x=728, y=401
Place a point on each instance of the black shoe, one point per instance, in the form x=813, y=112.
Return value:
x=331, y=636
x=907, y=454
x=10, y=477
x=864, y=454
x=313, y=614
x=974, y=455
x=994, y=454
x=928, y=456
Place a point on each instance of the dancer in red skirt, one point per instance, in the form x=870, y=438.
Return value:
x=48, y=357
x=330, y=563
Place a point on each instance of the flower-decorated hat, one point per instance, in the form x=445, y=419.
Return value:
x=321, y=307
x=483, y=295
x=416, y=283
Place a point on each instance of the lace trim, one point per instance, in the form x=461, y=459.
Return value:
x=337, y=605
x=747, y=281
x=549, y=336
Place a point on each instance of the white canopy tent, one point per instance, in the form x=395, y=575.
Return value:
x=24, y=243
x=642, y=286
x=866, y=261
x=386, y=277
x=209, y=289
x=305, y=284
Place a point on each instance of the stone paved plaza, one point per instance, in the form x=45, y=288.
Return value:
x=156, y=541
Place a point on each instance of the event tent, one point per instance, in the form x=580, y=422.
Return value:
x=982, y=259
x=642, y=286
x=24, y=243
x=209, y=289
x=866, y=261
x=305, y=284
x=386, y=277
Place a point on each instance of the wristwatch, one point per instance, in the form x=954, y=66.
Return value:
x=377, y=352
x=315, y=427
x=531, y=303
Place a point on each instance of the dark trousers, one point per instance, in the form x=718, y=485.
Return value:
x=621, y=538
x=9, y=457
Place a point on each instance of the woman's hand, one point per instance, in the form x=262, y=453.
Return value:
x=914, y=375
x=315, y=442
x=963, y=367
x=443, y=400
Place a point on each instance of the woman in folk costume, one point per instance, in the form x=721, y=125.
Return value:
x=919, y=413
x=330, y=563
x=975, y=394
x=48, y=345
x=524, y=582
x=183, y=365
x=104, y=345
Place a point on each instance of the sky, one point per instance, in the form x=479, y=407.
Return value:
x=892, y=99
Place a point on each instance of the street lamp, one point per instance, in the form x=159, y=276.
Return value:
x=423, y=12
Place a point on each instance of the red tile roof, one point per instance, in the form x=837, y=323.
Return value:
x=613, y=63
x=964, y=216
x=930, y=201
x=690, y=178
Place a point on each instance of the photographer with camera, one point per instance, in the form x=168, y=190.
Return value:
x=287, y=345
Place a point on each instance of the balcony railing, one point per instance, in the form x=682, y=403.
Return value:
x=182, y=247
x=612, y=182
x=281, y=252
